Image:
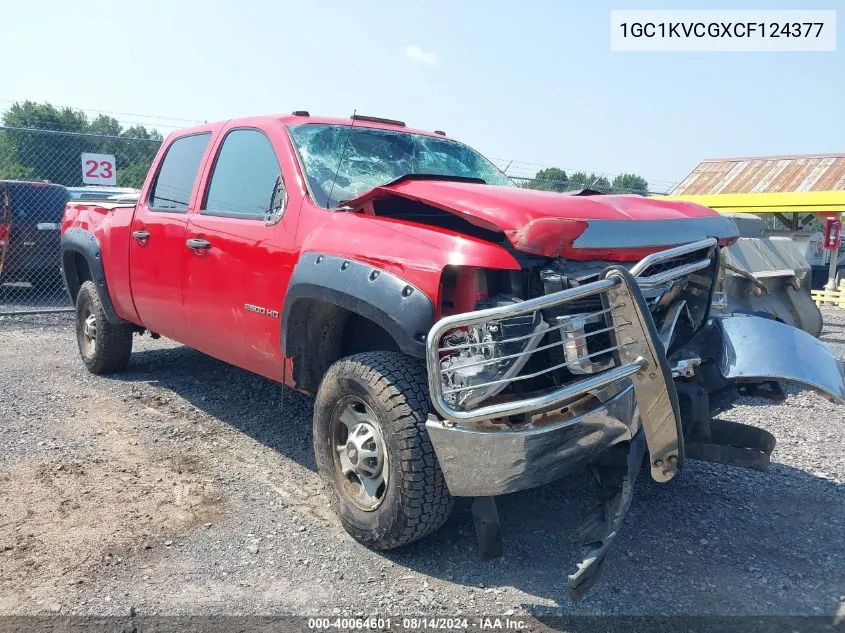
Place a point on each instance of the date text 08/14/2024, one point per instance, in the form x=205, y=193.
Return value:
x=419, y=623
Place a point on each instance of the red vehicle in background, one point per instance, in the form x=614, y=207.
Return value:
x=463, y=336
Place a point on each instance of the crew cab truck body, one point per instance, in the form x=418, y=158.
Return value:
x=463, y=337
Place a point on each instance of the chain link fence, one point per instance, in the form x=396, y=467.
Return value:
x=40, y=171
x=601, y=185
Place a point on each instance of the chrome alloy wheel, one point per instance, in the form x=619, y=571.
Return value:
x=89, y=332
x=360, y=455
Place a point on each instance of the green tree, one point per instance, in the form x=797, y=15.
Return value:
x=43, y=154
x=44, y=116
x=133, y=149
x=10, y=167
x=140, y=132
x=46, y=143
x=549, y=179
x=133, y=174
x=104, y=126
x=139, y=150
x=582, y=180
x=630, y=183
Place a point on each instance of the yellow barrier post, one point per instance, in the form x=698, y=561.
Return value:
x=830, y=297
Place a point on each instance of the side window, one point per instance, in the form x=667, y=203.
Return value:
x=246, y=181
x=178, y=171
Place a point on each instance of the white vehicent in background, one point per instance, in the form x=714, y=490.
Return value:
x=114, y=194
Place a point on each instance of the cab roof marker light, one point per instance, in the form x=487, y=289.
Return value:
x=375, y=119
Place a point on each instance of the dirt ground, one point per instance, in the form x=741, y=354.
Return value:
x=185, y=486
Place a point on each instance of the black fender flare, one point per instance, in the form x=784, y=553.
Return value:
x=404, y=311
x=84, y=243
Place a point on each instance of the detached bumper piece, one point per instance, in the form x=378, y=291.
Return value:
x=757, y=350
x=615, y=477
x=712, y=440
x=733, y=444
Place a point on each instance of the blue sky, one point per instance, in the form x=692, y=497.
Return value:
x=529, y=81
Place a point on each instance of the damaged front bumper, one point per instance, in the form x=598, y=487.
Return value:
x=506, y=444
x=482, y=461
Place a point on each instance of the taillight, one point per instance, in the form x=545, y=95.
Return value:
x=4, y=235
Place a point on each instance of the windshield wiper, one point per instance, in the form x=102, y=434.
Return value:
x=405, y=177
x=342, y=206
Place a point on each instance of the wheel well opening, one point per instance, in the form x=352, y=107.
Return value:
x=76, y=271
x=320, y=333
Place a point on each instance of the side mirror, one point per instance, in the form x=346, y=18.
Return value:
x=277, y=203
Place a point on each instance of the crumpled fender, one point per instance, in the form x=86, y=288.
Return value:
x=756, y=349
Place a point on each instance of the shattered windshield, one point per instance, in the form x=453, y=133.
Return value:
x=371, y=157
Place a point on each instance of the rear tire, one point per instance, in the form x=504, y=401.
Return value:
x=399, y=494
x=104, y=347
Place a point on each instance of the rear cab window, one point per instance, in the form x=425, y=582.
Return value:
x=177, y=173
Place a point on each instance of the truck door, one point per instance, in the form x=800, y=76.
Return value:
x=157, y=237
x=238, y=261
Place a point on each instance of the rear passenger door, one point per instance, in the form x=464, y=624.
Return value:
x=239, y=264
x=157, y=237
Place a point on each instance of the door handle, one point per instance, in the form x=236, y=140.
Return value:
x=198, y=245
x=142, y=235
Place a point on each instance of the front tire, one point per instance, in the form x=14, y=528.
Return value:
x=373, y=451
x=104, y=347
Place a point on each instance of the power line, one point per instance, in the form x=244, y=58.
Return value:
x=527, y=170
x=98, y=111
x=122, y=122
x=34, y=130
x=518, y=169
x=528, y=165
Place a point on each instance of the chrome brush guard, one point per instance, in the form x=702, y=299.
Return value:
x=629, y=338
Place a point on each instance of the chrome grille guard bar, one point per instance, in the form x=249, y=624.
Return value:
x=647, y=262
x=546, y=401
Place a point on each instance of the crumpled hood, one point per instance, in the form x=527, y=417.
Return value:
x=620, y=227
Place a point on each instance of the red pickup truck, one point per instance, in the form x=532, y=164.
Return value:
x=463, y=336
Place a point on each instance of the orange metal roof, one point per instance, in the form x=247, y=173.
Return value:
x=766, y=174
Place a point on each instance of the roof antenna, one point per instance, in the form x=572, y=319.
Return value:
x=342, y=156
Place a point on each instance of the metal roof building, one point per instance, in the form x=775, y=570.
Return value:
x=795, y=190
x=765, y=174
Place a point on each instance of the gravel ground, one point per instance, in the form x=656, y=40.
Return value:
x=185, y=486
